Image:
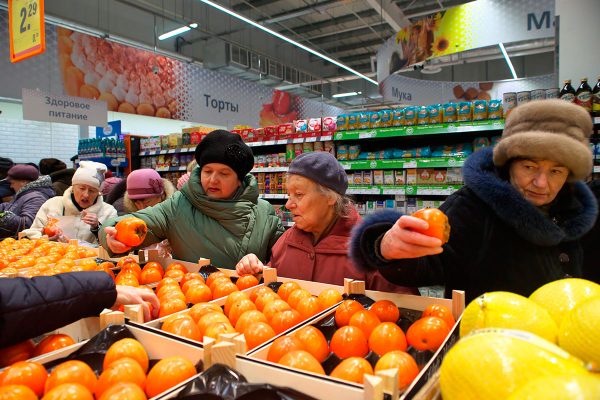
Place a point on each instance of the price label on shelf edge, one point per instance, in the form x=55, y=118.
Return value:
x=26, y=29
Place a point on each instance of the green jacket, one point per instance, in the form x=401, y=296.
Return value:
x=221, y=230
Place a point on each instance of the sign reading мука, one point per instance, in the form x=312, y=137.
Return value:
x=42, y=106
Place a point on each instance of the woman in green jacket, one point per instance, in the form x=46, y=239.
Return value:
x=216, y=215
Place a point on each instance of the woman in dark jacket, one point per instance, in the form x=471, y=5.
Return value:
x=516, y=224
x=31, y=192
x=31, y=307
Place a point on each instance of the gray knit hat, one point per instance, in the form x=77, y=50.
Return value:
x=548, y=129
x=321, y=167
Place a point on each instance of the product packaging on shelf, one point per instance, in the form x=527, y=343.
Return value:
x=423, y=115
x=357, y=177
x=364, y=120
x=435, y=113
x=425, y=176
x=386, y=118
x=328, y=124
x=400, y=177
x=164, y=142
x=342, y=122
x=449, y=112
x=375, y=120
x=480, y=110
x=464, y=111
x=398, y=117
x=367, y=178
x=410, y=116
x=301, y=127
x=388, y=177
x=285, y=131
x=411, y=176
x=342, y=152
x=314, y=127
x=378, y=177
x=270, y=133
x=495, y=109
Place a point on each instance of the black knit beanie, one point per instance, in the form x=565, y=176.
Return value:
x=227, y=148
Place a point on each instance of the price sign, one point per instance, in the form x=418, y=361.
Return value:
x=26, y=28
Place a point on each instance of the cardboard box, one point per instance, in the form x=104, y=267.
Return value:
x=270, y=133
x=388, y=177
x=439, y=176
x=378, y=177
x=367, y=177
x=411, y=176
x=425, y=176
x=285, y=131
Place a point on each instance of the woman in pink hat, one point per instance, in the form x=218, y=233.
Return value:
x=145, y=188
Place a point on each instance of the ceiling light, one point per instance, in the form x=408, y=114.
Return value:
x=177, y=31
x=505, y=54
x=285, y=38
x=347, y=94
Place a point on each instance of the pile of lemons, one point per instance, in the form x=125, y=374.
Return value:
x=546, y=346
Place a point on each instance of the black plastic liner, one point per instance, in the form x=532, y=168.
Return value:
x=223, y=383
x=92, y=353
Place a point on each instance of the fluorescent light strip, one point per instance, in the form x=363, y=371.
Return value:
x=512, y=69
x=285, y=38
x=337, y=95
x=177, y=31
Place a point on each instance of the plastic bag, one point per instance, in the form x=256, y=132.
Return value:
x=222, y=382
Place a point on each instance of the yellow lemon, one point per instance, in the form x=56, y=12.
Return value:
x=579, y=332
x=577, y=387
x=491, y=364
x=561, y=296
x=510, y=311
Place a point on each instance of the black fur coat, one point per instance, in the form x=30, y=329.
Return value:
x=498, y=240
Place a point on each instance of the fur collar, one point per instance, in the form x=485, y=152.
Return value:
x=572, y=214
x=43, y=181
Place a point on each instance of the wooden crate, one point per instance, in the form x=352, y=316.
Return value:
x=269, y=275
x=419, y=388
x=157, y=346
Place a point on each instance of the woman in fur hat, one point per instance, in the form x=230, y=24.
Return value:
x=517, y=222
x=216, y=215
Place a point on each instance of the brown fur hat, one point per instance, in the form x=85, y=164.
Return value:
x=549, y=130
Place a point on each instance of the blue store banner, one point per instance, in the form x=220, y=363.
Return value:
x=111, y=130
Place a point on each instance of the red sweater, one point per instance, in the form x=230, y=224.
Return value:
x=295, y=256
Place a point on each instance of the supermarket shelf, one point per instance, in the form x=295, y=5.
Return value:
x=596, y=120
x=273, y=196
x=438, y=162
x=288, y=224
x=290, y=141
x=189, y=149
x=119, y=162
x=596, y=169
x=411, y=190
x=269, y=169
x=420, y=130
x=171, y=169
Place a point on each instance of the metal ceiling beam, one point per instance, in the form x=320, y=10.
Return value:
x=344, y=34
x=334, y=21
x=251, y=4
x=428, y=10
x=355, y=57
x=299, y=12
x=353, y=46
x=390, y=13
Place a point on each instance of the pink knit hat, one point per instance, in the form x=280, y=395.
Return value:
x=108, y=185
x=144, y=183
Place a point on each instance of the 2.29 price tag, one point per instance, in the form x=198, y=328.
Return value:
x=26, y=28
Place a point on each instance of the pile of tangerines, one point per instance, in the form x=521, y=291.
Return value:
x=359, y=332
x=41, y=256
x=259, y=314
x=124, y=376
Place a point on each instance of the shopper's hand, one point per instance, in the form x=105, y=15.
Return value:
x=400, y=241
x=59, y=237
x=113, y=244
x=249, y=264
x=132, y=295
x=89, y=218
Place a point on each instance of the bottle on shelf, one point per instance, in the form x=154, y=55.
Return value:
x=596, y=99
x=583, y=96
x=567, y=93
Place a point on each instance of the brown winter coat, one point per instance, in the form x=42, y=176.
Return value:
x=295, y=256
